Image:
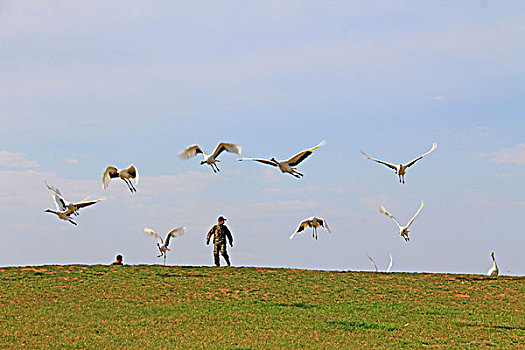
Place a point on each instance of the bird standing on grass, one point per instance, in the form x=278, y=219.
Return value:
x=494, y=270
x=375, y=265
x=125, y=174
x=314, y=223
x=403, y=230
x=401, y=168
x=289, y=165
x=210, y=159
x=163, y=244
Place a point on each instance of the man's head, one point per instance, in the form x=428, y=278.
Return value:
x=119, y=258
x=221, y=220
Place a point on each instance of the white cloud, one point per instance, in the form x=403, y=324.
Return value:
x=439, y=98
x=72, y=161
x=271, y=176
x=189, y=182
x=510, y=155
x=16, y=160
x=22, y=188
x=371, y=203
x=21, y=226
x=25, y=189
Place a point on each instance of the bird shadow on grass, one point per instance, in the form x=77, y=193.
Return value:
x=300, y=305
x=471, y=324
x=360, y=325
x=166, y=275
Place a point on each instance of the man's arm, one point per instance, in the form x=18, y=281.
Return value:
x=212, y=231
x=229, y=235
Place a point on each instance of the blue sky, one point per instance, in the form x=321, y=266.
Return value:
x=86, y=85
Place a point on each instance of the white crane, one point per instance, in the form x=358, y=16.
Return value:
x=401, y=168
x=314, y=223
x=389, y=264
x=494, y=270
x=403, y=230
x=289, y=165
x=210, y=159
x=125, y=174
x=63, y=205
x=163, y=244
x=63, y=215
x=375, y=265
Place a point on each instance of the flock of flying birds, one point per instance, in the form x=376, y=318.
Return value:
x=66, y=209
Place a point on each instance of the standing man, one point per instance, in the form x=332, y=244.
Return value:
x=220, y=232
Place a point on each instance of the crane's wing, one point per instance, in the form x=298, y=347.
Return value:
x=153, y=234
x=88, y=197
x=189, y=152
x=383, y=210
x=301, y=227
x=372, y=261
x=109, y=173
x=390, y=264
x=134, y=173
x=299, y=157
x=228, y=147
x=179, y=231
x=392, y=166
x=264, y=161
x=59, y=202
x=434, y=146
x=86, y=204
x=53, y=188
x=324, y=224
x=412, y=220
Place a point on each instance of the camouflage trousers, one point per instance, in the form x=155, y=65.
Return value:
x=222, y=249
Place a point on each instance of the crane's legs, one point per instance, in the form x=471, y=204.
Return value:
x=296, y=173
x=133, y=187
x=164, y=259
x=215, y=168
x=130, y=185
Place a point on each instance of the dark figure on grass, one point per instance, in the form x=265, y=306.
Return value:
x=118, y=260
x=220, y=232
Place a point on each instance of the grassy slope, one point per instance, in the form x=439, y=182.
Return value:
x=147, y=307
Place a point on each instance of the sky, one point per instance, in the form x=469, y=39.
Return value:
x=85, y=85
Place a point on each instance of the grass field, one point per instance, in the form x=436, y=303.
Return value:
x=150, y=307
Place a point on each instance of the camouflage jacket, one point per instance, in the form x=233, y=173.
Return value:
x=219, y=232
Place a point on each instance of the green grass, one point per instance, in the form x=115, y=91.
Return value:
x=154, y=307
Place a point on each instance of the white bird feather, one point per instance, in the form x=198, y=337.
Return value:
x=289, y=165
